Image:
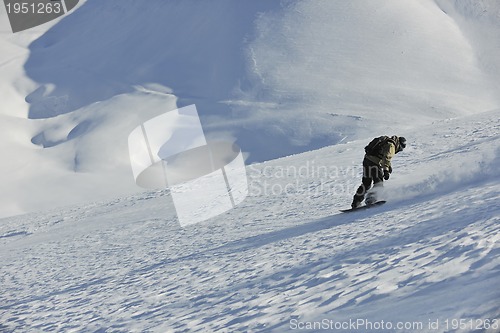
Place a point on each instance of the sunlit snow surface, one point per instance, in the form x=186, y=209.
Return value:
x=95, y=253
x=430, y=254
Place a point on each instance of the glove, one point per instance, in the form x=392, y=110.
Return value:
x=387, y=174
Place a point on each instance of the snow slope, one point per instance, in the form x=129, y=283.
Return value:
x=283, y=259
x=279, y=78
x=302, y=86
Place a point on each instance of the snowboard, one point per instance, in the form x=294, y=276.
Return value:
x=378, y=203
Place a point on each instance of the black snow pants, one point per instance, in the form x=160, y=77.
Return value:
x=372, y=173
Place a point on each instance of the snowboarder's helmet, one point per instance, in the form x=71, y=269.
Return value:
x=402, y=142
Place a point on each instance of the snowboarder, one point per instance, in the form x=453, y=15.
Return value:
x=377, y=166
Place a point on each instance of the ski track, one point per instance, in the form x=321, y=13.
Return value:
x=127, y=266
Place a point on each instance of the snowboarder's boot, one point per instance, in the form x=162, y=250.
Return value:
x=356, y=202
x=355, y=205
x=370, y=198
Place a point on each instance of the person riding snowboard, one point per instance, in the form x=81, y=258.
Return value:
x=377, y=166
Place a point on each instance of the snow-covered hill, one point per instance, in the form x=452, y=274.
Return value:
x=283, y=259
x=301, y=86
x=280, y=78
